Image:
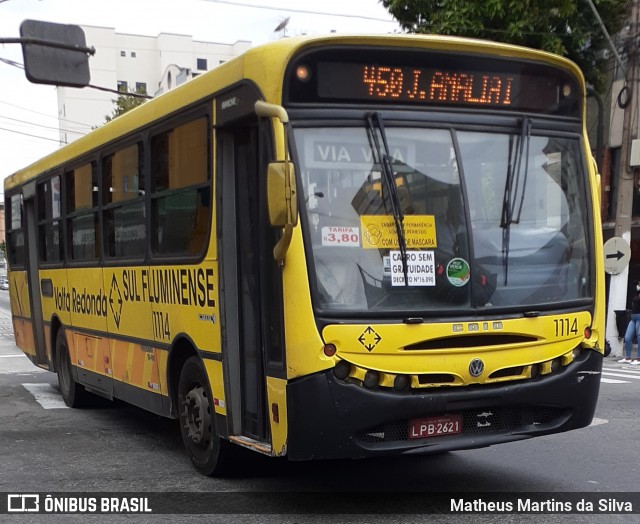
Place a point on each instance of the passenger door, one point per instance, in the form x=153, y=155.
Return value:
x=250, y=279
x=33, y=276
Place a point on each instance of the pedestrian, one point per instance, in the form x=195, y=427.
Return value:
x=633, y=329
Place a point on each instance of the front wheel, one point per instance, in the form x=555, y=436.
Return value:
x=207, y=451
x=73, y=394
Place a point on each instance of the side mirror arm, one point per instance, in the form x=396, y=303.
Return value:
x=280, y=196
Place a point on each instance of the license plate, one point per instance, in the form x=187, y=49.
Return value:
x=435, y=426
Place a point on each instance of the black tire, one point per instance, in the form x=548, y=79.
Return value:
x=73, y=394
x=208, y=452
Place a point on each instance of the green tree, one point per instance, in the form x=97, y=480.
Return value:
x=565, y=27
x=126, y=102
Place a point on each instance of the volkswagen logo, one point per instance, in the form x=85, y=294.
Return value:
x=476, y=367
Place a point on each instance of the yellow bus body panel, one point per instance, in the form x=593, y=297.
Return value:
x=216, y=380
x=303, y=342
x=277, y=404
x=388, y=347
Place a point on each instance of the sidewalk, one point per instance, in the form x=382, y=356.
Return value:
x=613, y=362
x=6, y=328
x=12, y=359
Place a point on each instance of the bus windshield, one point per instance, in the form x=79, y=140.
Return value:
x=489, y=219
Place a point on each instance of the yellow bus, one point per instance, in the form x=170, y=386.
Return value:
x=329, y=247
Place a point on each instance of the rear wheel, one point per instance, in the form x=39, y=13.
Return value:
x=73, y=394
x=207, y=451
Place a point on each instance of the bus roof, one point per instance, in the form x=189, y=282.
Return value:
x=262, y=65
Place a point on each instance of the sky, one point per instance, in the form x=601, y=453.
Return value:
x=28, y=112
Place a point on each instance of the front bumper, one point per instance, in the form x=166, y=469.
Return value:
x=329, y=418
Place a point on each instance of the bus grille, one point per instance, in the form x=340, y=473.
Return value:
x=494, y=420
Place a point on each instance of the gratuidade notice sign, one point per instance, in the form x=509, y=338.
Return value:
x=290, y=503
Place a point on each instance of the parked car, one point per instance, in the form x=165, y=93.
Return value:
x=4, y=283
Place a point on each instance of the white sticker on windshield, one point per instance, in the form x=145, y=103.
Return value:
x=421, y=268
x=341, y=236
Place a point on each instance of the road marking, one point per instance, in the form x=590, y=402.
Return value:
x=621, y=375
x=46, y=395
x=624, y=370
x=598, y=421
x=614, y=381
x=11, y=356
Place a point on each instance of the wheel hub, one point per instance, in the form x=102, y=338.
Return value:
x=195, y=409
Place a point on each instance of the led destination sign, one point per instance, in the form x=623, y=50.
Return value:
x=385, y=82
x=431, y=78
x=425, y=85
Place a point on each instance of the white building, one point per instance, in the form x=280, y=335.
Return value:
x=134, y=62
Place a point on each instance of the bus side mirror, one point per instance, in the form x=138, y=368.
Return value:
x=281, y=194
x=281, y=185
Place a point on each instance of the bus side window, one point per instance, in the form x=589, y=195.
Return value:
x=181, y=193
x=49, y=223
x=15, y=235
x=124, y=214
x=82, y=216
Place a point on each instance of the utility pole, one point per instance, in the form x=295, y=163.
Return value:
x=625, y=187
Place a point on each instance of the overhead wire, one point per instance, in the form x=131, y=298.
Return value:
x=12, y=63
x=40, y=125
x=46, y=114
x=302, y=11
x=349, y=15
x=29, y=134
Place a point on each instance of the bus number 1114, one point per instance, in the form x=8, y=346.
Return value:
x=161, y=325
x=566, y=326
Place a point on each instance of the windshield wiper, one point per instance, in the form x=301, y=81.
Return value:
x=382, y=157
x=514, y=189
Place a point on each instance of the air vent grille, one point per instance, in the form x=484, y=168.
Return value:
x=470, y=341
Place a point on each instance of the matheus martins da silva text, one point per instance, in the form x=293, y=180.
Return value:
x=604, y=505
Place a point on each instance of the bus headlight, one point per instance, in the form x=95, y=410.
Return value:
x=401, y=382
x=342, y=370
x=535, y=370
x=371, y=379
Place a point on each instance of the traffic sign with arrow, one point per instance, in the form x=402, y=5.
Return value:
x=617, y=254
